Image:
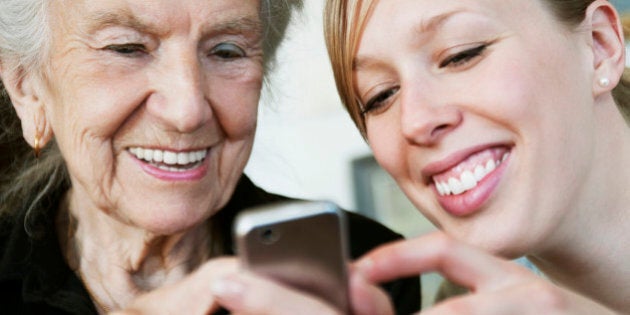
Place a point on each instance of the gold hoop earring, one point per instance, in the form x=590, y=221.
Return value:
x=37, y=148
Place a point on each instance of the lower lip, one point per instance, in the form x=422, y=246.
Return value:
x=471, y=201
x=193, y=174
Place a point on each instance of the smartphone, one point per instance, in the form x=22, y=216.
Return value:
x=300, y=243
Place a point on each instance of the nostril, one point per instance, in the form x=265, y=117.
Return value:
x=439, y=130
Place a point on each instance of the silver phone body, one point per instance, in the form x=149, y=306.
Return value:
x=300, y=243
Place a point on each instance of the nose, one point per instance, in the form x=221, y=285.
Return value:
x=179, y=101
x=427, y=117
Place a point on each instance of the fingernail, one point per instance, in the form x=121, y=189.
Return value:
x=227, y=287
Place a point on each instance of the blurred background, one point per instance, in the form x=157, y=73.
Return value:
x=307, y=146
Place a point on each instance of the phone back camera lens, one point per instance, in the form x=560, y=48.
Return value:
x=269, y=236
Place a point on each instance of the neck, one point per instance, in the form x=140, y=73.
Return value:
x=116, y=262
x=588, y=252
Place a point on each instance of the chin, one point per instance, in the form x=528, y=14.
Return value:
x=169, y=221
x=505, y=242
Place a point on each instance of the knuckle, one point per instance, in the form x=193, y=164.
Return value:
x=446, y=246
x=445, y=243
x=547, y=296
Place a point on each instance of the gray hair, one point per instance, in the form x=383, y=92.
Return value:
x=23, y=33
x=28, y=185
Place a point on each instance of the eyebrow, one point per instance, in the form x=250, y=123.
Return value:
x=103, y=19
x=436, y=22
x=425, y=26
x=242, y=24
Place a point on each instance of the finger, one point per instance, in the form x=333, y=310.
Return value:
x=530, y=298
x=534, y=297
x=368, y=299
x=459, y=262
x=247, y=293
x=481, y=304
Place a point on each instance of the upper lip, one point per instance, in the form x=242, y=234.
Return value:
x=453, y=159
x=172, y=149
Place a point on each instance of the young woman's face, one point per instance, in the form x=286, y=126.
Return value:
x=153, y=104
x=481, y=110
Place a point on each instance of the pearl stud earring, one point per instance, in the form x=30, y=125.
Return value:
x=604, y=82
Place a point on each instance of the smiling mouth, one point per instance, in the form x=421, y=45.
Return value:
x=467, y=174
x=170, y=161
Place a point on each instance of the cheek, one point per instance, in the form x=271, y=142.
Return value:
x=235, y=104
x=385, y=140
x=94, y=101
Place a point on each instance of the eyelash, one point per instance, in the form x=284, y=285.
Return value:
x=379, y=100
x=456, y=60
x=128, y=50
x=220, y=50
x=223, y=52
x=461, y=58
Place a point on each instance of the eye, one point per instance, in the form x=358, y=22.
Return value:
x=380, y=101
x=130, y=50
x=462, y=58
x=227, y=51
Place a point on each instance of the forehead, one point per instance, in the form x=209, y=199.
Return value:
x=426, y=12
x=423, y=20
x=158, y=16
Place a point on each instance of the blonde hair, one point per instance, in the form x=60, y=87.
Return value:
x=344, y=21
x=343, y=25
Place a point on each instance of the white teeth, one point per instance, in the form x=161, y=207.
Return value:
x=182, y=158
x=158, y=156
x=446, y=188
x=170, y=158
x=148, y=155
x=480, y=172
x=439, y=188
x=456, y=186
x=490, y=166
x=468, y=179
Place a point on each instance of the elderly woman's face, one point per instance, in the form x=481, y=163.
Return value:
x=153, y=104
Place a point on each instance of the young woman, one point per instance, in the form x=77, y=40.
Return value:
x=506, y=123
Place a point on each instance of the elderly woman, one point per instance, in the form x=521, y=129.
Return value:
x=141, y=117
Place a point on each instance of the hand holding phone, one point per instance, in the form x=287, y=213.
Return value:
x=300, y=243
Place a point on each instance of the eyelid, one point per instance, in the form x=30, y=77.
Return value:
x=126, y=45
x=127, y=49
x=471, y=51
x=388, y=92
x=229, y=46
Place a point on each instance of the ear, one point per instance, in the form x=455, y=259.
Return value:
x=25, y=92
x=608, y=45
